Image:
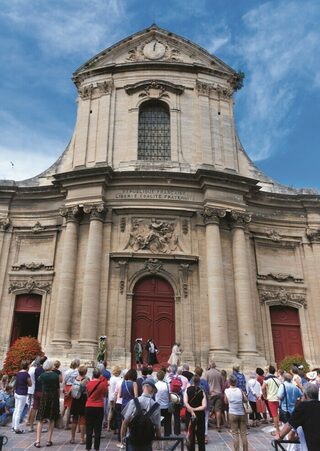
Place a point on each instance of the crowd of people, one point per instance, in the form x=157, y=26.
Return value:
x=172, y=401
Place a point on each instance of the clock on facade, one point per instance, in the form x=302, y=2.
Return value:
x=154, y=50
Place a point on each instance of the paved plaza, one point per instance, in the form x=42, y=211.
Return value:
x=259, y=440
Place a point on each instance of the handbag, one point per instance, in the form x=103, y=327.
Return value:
x=261, y=407
x=284, y=415
x=246, y=405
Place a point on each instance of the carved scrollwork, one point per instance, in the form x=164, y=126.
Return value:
x=274, y=236
x=96, y=211
x=5, y=223
x=184, y=275
x=71, y=214
x=122, y=265
x=313, y=235
x=153, y=265
x=154, y=235
x=32, y=267
x=279, y=277
x=282, y=296
x=213, y=215
x=95, y=90
x=28, y=285
x=185, y=226
x=123, y=224
x=37, y=228
x=239, y=218
x=154, y=88
x=223, y=92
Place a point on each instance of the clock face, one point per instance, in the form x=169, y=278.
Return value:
x=154, y=50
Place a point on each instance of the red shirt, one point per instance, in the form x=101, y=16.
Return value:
x=97, y=397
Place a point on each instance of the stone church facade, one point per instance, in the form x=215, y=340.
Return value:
x=154, y=222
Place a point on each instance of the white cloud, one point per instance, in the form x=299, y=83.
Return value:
x=67, y=27
x=30, y=151
x=280, y=49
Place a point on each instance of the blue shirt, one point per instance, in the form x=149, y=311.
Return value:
x=288, y=402
x=241, y=381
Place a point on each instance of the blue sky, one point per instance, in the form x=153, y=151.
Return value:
x=276, y=44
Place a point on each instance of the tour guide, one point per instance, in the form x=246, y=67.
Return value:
x=142, y=415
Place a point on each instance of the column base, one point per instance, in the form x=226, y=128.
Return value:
x=187, y=357
x=119, y=356
x=222, y=358
x=249, y=361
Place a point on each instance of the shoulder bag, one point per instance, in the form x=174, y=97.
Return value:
x=246, y=405
x=284, y=415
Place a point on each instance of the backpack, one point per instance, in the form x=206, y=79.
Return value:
x=142, y=430
x=175, y=385
x=77, y=389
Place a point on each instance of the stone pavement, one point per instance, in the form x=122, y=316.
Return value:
x=259, y=440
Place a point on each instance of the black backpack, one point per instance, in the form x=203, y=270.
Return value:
x=142, y=430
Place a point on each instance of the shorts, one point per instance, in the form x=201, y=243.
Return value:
x=216, y=403
x=274, y=408
x=67, y=396
x=79, y=419
x=36, y=399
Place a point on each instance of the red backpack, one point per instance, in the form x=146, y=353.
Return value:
x=175, y=384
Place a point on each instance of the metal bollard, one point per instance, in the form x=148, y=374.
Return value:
x=3, y=441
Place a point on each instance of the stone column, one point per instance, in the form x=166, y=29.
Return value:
x=218, y=320
x=247, y=338
x=92, y=276
x=62, y=329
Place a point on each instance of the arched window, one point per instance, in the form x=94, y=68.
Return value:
x=154, y=131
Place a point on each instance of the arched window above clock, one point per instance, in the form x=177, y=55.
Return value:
x=154, y=131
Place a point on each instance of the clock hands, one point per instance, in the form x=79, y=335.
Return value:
x=154, y=46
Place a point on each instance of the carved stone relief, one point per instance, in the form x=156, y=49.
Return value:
x=313, y=235
x=141, y=52
x=185, y=226
x=185, y=270
x=274, y=235
x=279, y=277
x=223, y=92
x=212, y=215
x=240, y=219
x=32, y=267
x=122, y=265
x=5, y=223
x=37, y=228
x=29, y=285
x=95, y=90
x=282, y=295
x=153, y=265
x=71, y=213
x=123, y=224
x=96, y=211
x=154, y=235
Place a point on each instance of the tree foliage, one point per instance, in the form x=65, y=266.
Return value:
x=291, y=360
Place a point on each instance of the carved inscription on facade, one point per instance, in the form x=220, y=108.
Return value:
x=156, y=193
x=154, y=235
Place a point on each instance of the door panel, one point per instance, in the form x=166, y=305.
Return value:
x=285, y=332
x=153, y=315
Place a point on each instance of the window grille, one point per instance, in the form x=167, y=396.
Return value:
x=154, y=131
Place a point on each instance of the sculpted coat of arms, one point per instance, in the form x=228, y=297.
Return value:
x=153, y=235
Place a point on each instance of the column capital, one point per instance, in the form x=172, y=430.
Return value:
x=96, y=211
x=212, y=215
x=71, y=214
x=240, y=219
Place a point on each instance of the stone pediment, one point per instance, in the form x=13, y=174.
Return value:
x=155, y=45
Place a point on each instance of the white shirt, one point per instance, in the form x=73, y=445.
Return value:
x=254, y=389
x=112, y=387
x=235, y=399
x=117, y=390
x=162, y=395
x=31, y=371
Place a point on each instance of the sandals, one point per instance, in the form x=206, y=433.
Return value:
x=37, y=445
x=49, y=443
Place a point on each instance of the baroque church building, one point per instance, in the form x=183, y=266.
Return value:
x=155, y=223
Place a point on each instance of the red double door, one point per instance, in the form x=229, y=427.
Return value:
x=26, y=316
x=286, y=332
x=153, y=316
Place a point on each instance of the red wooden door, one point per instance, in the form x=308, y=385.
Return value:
x=285, y=332
x=153, y=315
x=26, y=316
